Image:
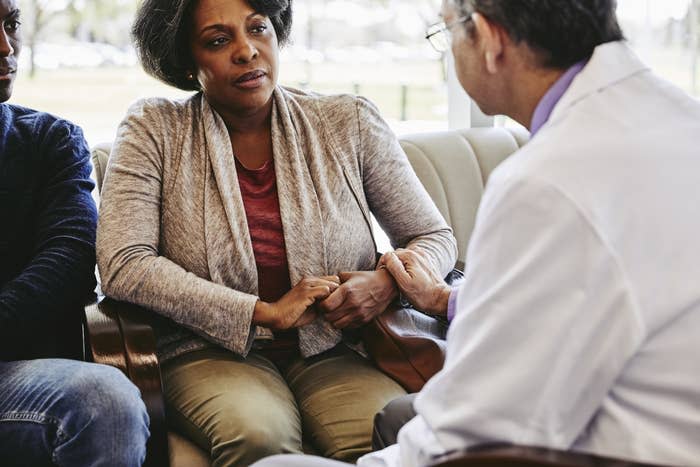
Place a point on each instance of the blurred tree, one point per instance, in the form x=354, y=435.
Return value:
x=327, y=26
x=101, y=20
x=36, y=15
x=84, y=20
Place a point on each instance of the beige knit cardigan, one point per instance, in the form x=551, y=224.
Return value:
x=173, y=235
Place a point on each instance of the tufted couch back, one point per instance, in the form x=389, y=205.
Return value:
x=454, y=167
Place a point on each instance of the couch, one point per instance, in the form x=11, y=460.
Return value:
x=454, y=167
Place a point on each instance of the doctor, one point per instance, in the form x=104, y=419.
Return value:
x=578, y=324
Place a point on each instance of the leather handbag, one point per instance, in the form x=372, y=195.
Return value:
x=406, y=344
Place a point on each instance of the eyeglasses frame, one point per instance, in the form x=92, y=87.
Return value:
x=444, y=29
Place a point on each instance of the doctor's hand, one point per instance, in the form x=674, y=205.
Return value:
x=362, y=295
x=297, y=307
x=418, y=280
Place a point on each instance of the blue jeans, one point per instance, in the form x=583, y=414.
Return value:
x=69, y=413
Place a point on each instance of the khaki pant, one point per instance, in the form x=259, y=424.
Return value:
x=241, y=410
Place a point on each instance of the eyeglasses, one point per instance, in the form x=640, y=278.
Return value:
x=439, y=34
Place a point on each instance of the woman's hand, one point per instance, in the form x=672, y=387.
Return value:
x=418, y=280
x=296, y=307
x=361, y=296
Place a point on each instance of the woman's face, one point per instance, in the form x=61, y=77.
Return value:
x=235, y=53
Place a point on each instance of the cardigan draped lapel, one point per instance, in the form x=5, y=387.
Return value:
x=300, y=212
x=226, y=227
x=225, y=223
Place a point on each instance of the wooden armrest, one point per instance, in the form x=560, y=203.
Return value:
x=501, y=455
x=119, y=335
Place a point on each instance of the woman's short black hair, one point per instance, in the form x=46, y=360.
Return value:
x=561, y=32
x=161, y=36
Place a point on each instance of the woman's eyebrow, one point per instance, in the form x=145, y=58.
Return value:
x=222, y=27
x=216, y=27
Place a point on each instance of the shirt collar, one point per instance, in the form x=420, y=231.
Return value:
x=549, y=100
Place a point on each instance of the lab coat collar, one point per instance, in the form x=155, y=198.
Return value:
x=611, y=62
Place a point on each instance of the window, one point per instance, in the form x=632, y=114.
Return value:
x=86, y=71
x=665, y=34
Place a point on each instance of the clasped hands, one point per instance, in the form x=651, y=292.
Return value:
x=347, y=300
x=352, y=299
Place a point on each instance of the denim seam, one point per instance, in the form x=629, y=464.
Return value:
x=40, y=418
x=27, y=416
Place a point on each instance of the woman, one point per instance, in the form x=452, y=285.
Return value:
x=236, y=215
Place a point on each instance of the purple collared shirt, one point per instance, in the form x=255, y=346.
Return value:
x=539, y=118
x=554, y=94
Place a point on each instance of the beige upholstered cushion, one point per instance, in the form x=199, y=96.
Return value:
x=100, y=156
x=454, y=166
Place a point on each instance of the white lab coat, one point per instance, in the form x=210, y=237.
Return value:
x=579, y=324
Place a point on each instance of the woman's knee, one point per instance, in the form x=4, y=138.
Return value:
x=252, y=442
x=239, y=410
x=339, y=398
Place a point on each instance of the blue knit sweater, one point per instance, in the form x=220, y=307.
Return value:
x=47, y=230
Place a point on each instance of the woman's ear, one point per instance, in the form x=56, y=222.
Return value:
x=490, y=39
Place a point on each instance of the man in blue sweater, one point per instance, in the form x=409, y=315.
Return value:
x=53, y=411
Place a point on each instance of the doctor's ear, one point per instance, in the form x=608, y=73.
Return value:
x=490, y=40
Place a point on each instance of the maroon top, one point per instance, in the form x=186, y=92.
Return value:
x=262, y=208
